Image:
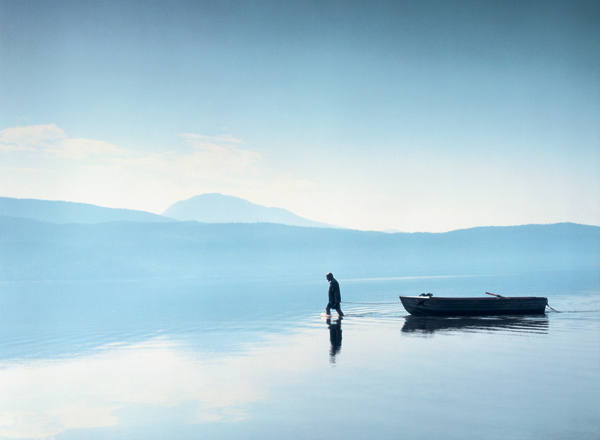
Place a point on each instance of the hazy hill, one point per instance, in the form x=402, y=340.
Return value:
x=70, y=212
x=218, y=208
x=125, y=250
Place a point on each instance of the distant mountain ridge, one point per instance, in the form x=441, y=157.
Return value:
x=205, y=208
x=219, y=208
x=34, y=250
x=55, y=211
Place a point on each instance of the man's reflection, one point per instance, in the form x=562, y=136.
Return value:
x=335, y=337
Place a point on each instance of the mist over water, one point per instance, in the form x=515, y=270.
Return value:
x=251, y=359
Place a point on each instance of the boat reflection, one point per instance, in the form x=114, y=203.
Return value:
x=335, y=338
x=432, y=324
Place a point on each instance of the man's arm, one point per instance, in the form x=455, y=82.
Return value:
x=338, y=296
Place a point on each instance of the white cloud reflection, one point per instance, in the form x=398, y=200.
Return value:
x=42, y=398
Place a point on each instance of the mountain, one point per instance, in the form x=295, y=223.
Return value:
x=34, y=250
x=218, y=208
x=70, y=212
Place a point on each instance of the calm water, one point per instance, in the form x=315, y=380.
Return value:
x=223, y=359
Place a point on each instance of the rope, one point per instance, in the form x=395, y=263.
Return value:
x=548, y=305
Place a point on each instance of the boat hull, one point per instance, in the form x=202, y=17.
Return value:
x=433, y=306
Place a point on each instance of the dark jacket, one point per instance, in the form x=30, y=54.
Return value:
x=334, y=292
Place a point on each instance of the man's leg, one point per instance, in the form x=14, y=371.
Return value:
x=327, y=310
x=339, y=310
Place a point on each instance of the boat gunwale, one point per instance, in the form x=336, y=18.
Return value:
x=472, y=298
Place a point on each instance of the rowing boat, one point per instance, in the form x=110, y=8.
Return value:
x=427, y=304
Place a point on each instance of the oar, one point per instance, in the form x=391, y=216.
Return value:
x=493, y=294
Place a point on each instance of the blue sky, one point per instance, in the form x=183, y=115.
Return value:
x=415, y=116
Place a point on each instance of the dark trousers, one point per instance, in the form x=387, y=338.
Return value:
x=333, y=306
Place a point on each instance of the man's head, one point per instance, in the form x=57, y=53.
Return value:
x=329, y=276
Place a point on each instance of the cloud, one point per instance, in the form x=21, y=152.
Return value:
x=98, y=172
x=28, y=170
x=218, y=153
x=51, y=140
x=30, y=138
x=32, y=135
x=227, y=139
x=82, y=148
x=211, y=158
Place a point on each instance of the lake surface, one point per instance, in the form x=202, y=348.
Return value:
x=253, y=359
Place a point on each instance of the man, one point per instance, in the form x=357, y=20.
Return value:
x=334, y=296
